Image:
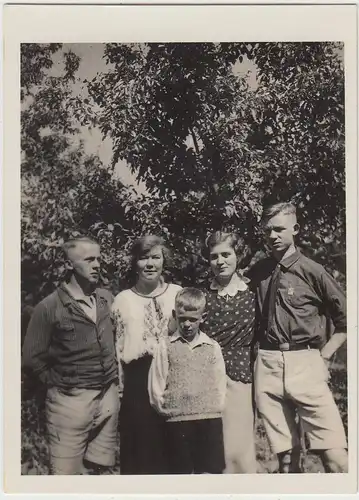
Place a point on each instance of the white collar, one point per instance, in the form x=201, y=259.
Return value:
x=237, y=284
x=201, y=338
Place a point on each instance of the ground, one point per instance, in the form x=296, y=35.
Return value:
x=34, y=448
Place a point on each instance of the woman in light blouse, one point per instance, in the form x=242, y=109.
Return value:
x=230, y=321
x=142, y=314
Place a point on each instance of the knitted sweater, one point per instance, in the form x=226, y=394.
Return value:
x=187, y=380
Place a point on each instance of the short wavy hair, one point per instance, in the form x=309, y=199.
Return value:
x=233, y=239
x=239, y=245
x=143, y=245
x=286, y=208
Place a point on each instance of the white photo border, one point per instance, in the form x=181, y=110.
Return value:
x=167, y=23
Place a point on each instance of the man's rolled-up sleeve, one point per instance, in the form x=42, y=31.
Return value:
x=335, y=301
x=37, y=342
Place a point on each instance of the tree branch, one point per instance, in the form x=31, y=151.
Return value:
x=195, y=142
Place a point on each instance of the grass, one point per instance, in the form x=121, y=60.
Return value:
x=34, y=452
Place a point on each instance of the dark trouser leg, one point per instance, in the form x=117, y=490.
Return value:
x=179, y=437
x=142, y=430
x=207, y=446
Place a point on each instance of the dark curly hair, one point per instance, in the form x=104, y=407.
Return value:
x=233, y=239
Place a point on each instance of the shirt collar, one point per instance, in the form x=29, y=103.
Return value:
x=237, y=284
x=68, y=293
x=202, y=338
x=290, y=260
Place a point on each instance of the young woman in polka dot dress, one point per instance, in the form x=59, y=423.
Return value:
x=230, y=321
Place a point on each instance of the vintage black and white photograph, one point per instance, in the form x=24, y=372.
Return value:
x=183, y=258
x=184, y=269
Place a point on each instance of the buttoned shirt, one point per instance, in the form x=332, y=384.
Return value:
x=86, y=302
x=65, y=347
x=307, y=300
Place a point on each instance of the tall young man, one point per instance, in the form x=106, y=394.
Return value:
x=295, y=299
x=69, y=345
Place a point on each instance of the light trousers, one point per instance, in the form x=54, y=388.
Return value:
x=238, y=429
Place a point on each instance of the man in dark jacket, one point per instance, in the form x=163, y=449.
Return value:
x=69, y=345
x=295, y=298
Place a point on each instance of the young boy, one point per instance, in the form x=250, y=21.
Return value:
x=295, y=299
x=187, y=384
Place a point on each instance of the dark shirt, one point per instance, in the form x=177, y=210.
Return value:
x=65, y=348
x=307, y=298
x=230, y=321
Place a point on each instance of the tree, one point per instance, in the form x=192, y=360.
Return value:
x=212, y=149
x=301, y=129
x=64, y=191
x=177, y=114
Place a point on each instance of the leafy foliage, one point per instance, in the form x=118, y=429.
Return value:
x=64, y=190
x=211, y=145
x=213, y=149
x=301, y=130
x=34, y=61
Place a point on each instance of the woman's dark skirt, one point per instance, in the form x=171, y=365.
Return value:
x=142, y=429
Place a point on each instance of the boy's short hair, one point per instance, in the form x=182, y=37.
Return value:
x=72, y=243
x=285, y=208
x=190, y=299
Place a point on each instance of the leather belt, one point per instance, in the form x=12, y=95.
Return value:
x=286, y=346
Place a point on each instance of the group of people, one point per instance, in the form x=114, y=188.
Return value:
x=182, y=372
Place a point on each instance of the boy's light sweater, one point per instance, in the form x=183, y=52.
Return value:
x=187, y=380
